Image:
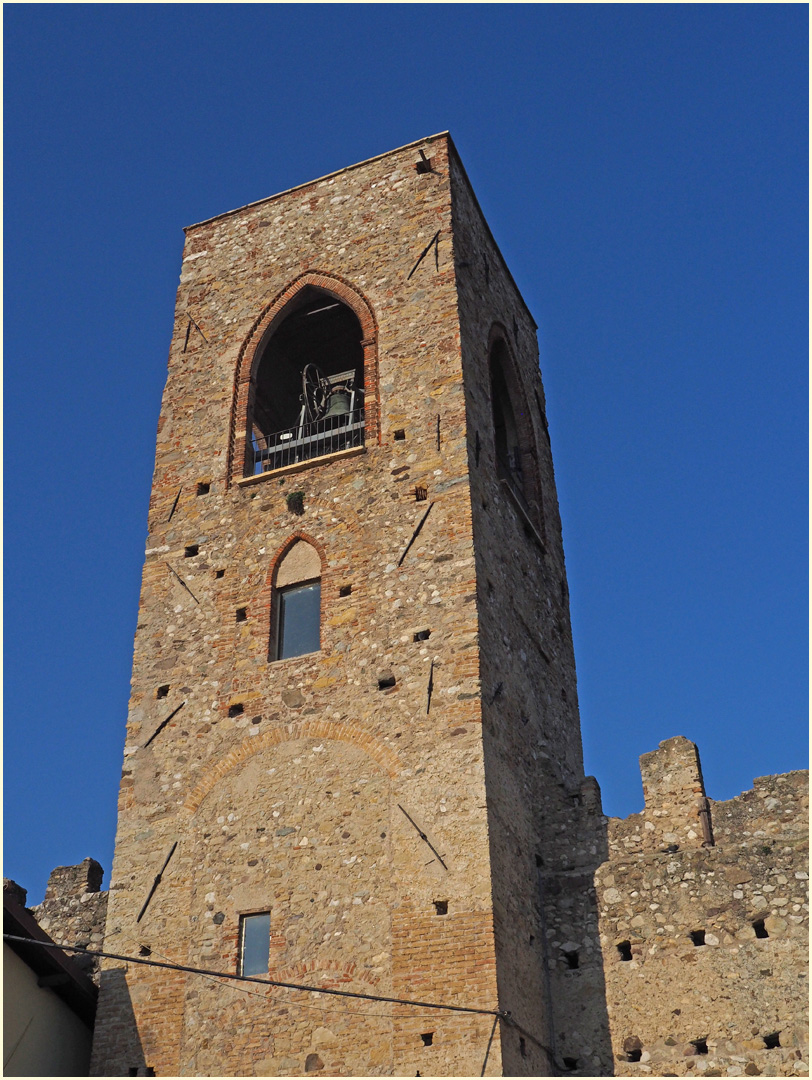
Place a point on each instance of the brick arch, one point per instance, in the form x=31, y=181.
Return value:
x=498, y=335
x=282, y=551
x=265, y=323
x=332, y=730
x=345, y=973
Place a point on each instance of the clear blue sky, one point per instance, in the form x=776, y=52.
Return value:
x=643, y=168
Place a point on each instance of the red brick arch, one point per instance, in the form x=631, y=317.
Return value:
x=265, y=324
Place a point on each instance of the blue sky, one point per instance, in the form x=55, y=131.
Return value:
x=644, y=170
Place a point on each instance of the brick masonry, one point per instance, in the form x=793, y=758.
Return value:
x=252, y=784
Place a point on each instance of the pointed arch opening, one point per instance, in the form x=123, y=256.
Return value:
x=296, y=603
x=306, y=385
x=515, y=451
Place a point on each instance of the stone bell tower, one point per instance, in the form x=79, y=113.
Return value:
x=354, y=721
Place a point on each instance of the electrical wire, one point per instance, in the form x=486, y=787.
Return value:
x=254, y=979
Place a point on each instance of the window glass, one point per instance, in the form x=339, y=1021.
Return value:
x=255, y=943
x=299, y=620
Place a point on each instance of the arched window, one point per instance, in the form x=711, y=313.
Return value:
x=514, y=444
x=307, y=395
x=296, y=606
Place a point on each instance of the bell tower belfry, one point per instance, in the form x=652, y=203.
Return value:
x=353, y=728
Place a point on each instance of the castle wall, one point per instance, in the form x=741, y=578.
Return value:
x=286, y=785
x=74, y=910
x=704, y=941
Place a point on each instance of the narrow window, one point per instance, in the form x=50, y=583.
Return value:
x=163, y=691
x=522, y=1047
x=440, y=906
x=191, y=551
x=400, y=435
x=624, y=949
x=203, y=488
x=242, y=614
x=570, y=1064
x=299, y=620
x=772, y=1041
x=297, y=603
x=698, y=937
x=700, y=1045
x=235, y=710
x=255, y=942
x=345, y=590
x=427, y=1037
x=760, y=929
x=571, y=959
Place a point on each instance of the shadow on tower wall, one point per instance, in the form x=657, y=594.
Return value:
x=117, y=1049
x=578, y=1020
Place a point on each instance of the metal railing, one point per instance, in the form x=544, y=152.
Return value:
x=315, y=439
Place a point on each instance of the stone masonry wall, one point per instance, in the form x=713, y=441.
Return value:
x=74, y=910
x=531, y=731
x=703, y=945
x=285, y=785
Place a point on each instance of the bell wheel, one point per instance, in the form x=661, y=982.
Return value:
x=315, y=392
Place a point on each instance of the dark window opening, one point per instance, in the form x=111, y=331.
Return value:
x=400, y=435
x=422, y=635
x=345, y=590
x=522, y=1047
x=698, y=937
x=508, y=451
x=760, y=929
x=191, y=551
x=309, y=385
x=571, y=959
x=427, y=1037
x=421, y=494
x=219, y=573
x=772, y=1041
x=624, y=949
x=203, y=489
x=163, y=691
x=440, y=906
x=700, y=1045
x=242, y=614
x=144, y=950
x=255, y=943
x=539, y=860
x=570, y=1064
x=235, y=710
x=299, y=620
x=634, y=1055
x=386, y=682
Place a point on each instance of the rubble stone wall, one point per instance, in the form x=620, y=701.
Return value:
x=705, y=943
x=74, y=910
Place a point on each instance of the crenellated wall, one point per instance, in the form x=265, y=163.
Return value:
x=700, y=945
